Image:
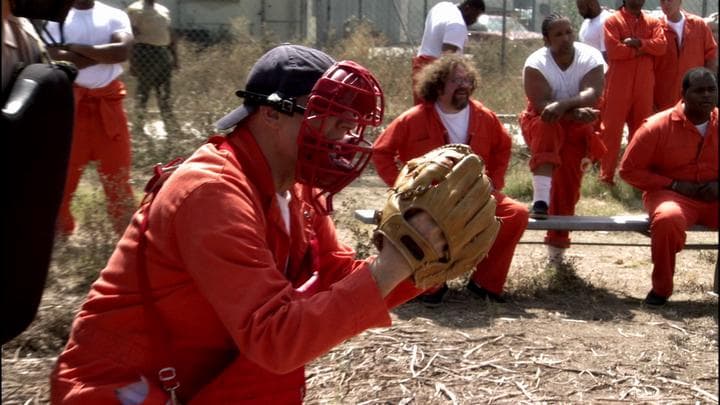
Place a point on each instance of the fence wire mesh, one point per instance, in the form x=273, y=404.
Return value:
x=219, y=40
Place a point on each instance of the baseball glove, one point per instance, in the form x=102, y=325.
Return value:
x=448, y=183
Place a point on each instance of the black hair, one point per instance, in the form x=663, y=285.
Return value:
x=477, y=4
x=696, y=73
x=547, y=21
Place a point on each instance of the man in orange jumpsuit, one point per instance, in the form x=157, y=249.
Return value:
x=632, y=40
x=445, y=32
x=690, y=44
x=98, y=39
x=563, y=82
x=673, y=159
x=230, y=277
x=449, y=115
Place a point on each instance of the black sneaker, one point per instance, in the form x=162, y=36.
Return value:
x=433, y=299
x=654, y=300
x=484, y=294
x=539, y=210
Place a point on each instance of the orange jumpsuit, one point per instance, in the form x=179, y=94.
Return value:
x=668, y=147
x=563, y=144
x=629, y=80
x=698, y=46
x=101, y=134
x=420, y=130
x=241, y=307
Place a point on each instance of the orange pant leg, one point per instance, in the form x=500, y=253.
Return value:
x=114, y=159
x=567, y=179
x=614, y=114
x=542, y=138
x=80, y=155
x=642, y=108
x=492, y=271
x=671, y=214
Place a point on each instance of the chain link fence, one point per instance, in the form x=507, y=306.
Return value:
x=219, y=40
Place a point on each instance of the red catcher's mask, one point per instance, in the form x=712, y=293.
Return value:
x=350, y=93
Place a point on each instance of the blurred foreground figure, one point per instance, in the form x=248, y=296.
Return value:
x=37, y=117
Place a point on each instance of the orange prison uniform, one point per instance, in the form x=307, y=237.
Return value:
x=419, y=62
x=563, y=144
x=234, y=289
x=100, y=134
x=668, y=147
x=698, y=46
x=629, y=80
x=420, y=130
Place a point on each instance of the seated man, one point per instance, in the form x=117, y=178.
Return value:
x=563, y=82
x=449, y=115
x=673, y=159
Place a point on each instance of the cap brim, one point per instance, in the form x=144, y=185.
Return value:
x=234, y=117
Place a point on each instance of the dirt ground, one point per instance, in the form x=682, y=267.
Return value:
x=572, y=334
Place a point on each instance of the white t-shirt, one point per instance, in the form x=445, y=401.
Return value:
x=565, y=83
x=456, y=124
x=94, y=26
x=592, y=31
x=444, y=25
x=677, y=27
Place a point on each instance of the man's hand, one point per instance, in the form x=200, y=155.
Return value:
x=390, y=267
x=63, y=52
x=585, y=114
x=552, y=112
x=707, y=191
x=632, y=42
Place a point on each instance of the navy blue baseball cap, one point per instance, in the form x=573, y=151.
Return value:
x=285, y=72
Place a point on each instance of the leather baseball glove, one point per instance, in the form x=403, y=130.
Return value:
x=448, y=183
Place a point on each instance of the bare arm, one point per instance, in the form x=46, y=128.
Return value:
x=116, y=51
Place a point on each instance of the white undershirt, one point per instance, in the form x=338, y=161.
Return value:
x=678, y=28
x=283, y=200
x=702, y=128
x=456, y=124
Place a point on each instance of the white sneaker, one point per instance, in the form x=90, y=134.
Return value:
x=556, y=255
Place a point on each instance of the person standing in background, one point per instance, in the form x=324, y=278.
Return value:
x=689, y=44
x=153, y=58
x=445, y=32
x=632, y=39
x=97, y=39
x=591, y=30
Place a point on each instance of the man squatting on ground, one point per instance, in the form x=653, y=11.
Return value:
x=232, y=275
x=632, y=39
x=563, y=82
x=445, y=32
x=673, y=159
x=690, y=44
x=97, y=38
x=448, y=114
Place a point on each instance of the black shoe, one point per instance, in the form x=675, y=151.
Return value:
x=484, y=294
x=654, y=300
x=433, y=299
x=539, y=210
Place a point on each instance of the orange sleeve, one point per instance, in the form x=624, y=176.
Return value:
x=656, y=44
x=636, y=167
x=616, y=50
x=385, y=151
x=226, y=253
x=499, y=157
x=710, y=44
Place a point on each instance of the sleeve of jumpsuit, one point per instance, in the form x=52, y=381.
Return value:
x=272, y=324
x=637, y=162
x=385, y=151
